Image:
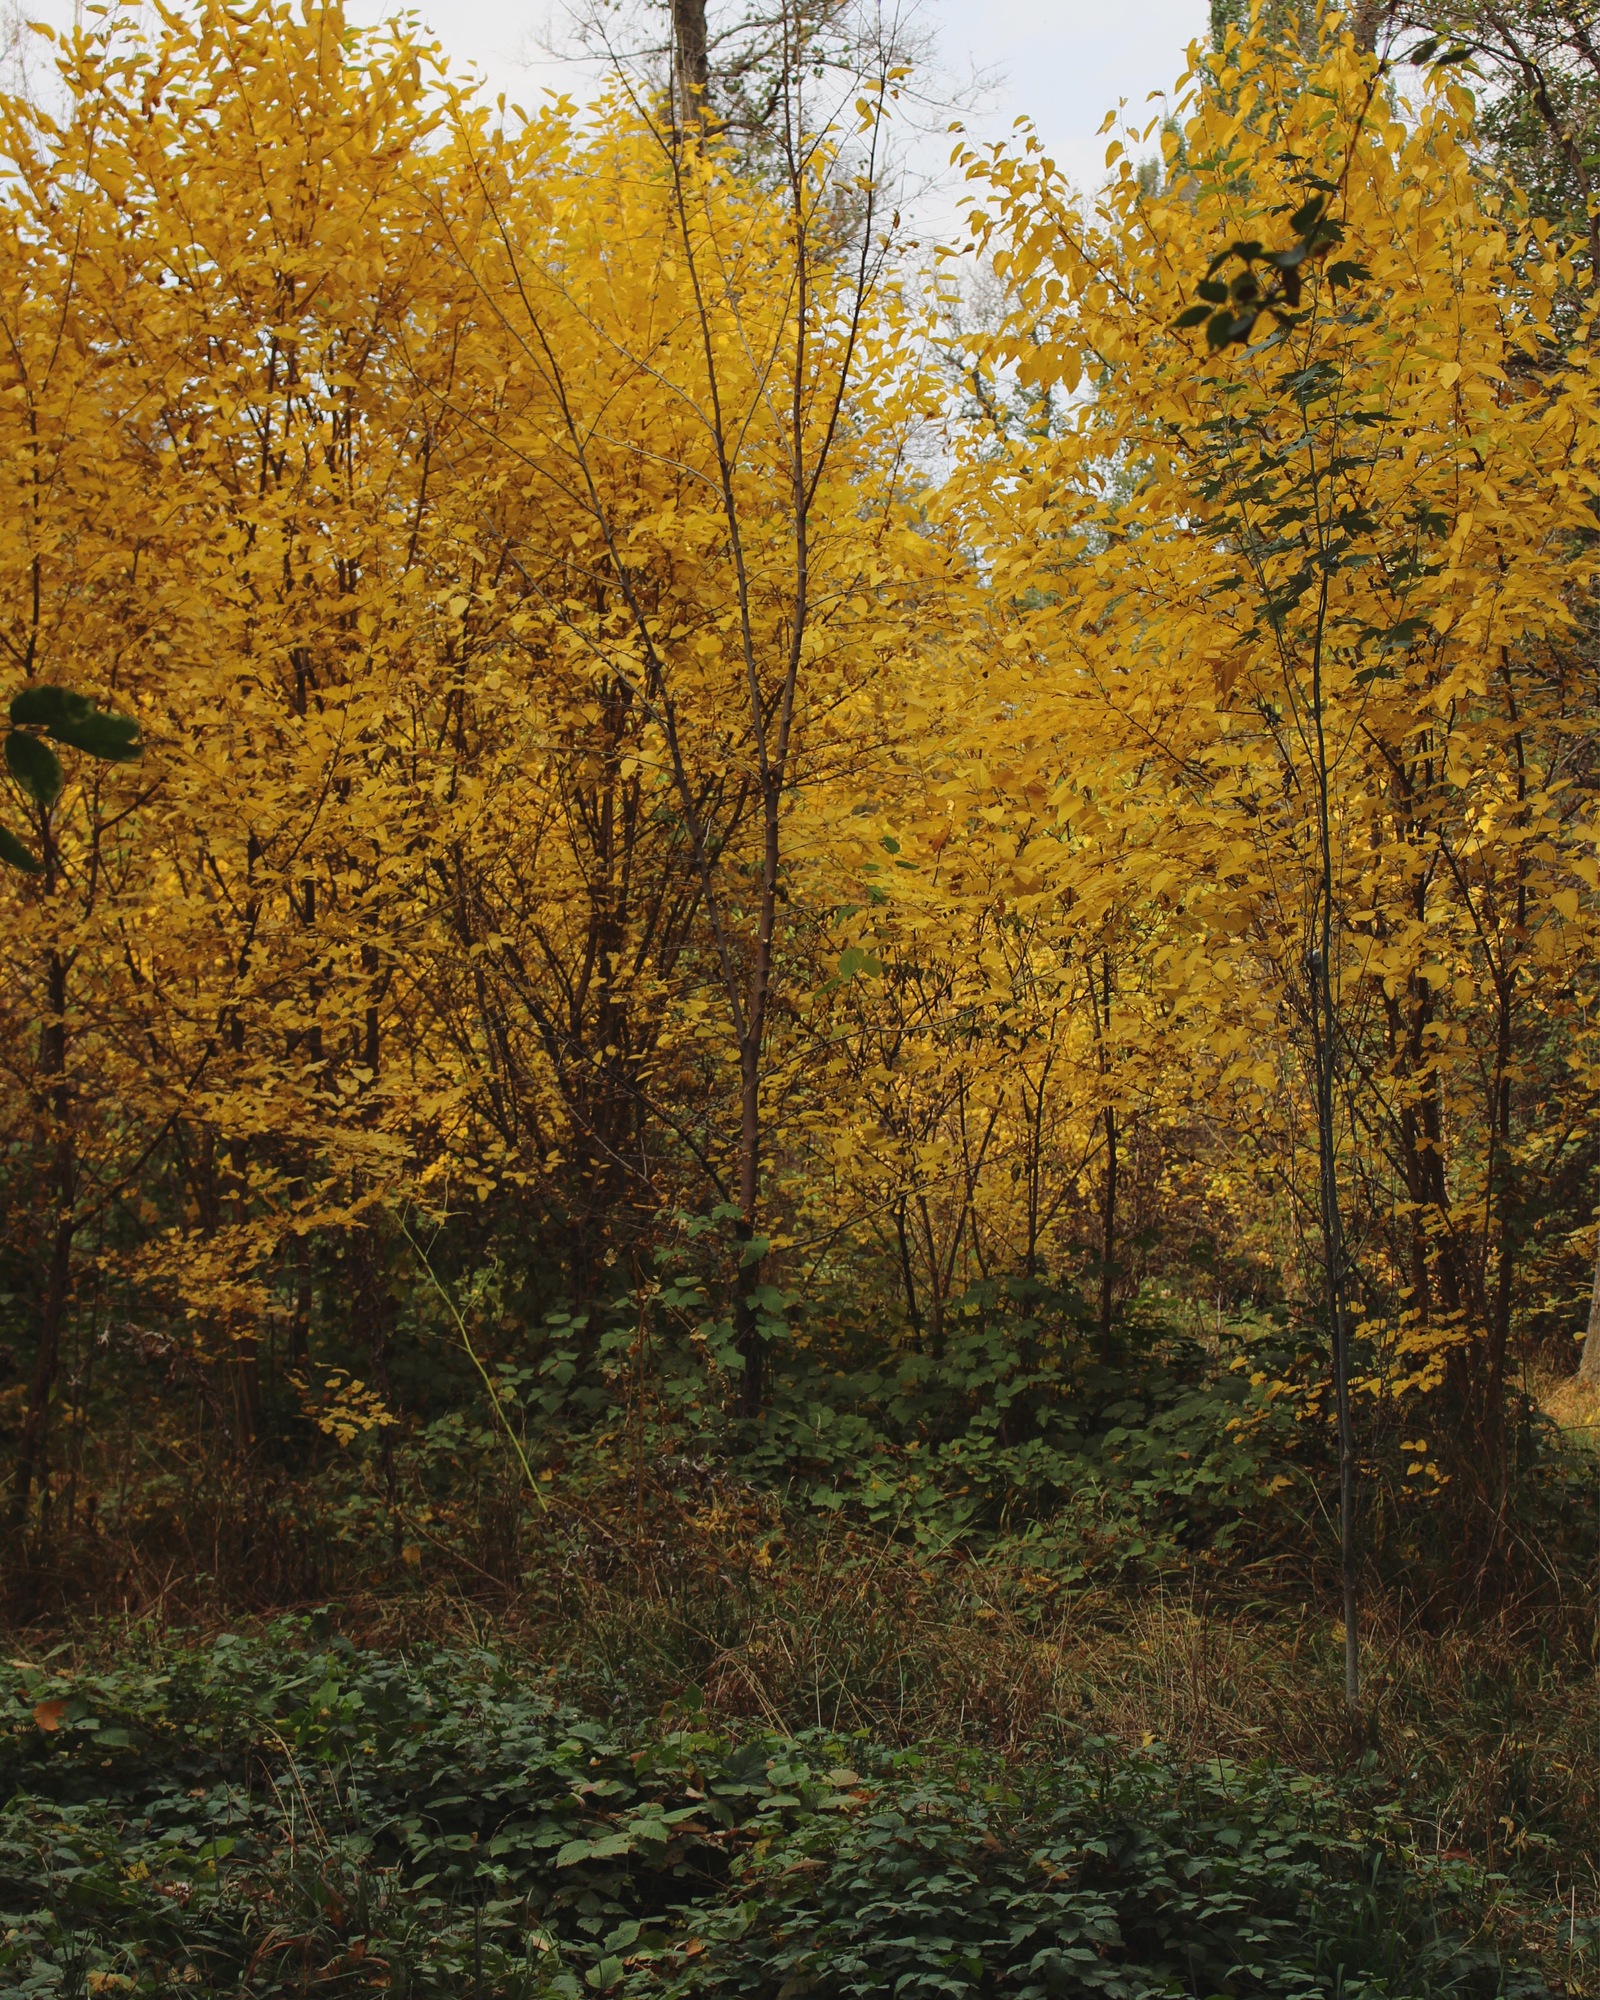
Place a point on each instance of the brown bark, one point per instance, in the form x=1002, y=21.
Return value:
x=300, y=1320
x=32, y=1468
x=908, y=1274
x=746, y=1324
x=1108, y=1235
x=691, y=68
x=1589, y=1362
x=1365, y=20
x=1108, y=1205
x=1502, y=1190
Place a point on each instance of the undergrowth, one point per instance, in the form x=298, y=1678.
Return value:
x=288, y=1812
x=1070, y=1630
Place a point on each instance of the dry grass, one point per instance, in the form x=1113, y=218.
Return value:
x=1575, y=1406
x=1482, y=1730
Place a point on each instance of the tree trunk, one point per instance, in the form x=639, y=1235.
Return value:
x=1108, y=1210
x=691, y=70
x=1589, y=1363
x=1324, y=1023
x=1324, y=1031
x=300, y=1320
x=32, y=1453
x=746, y=1322
x=908, y=1274
x=1108, y=1236
x=1498, y=1316
x=1365, y=20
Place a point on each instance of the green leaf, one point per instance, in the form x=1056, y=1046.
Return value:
x=1219, y=329
x=1192, y=316
x=1303, y=218
x=113, y=738
x=73, y=719
x=13, y=851
x=594, y=1850
x=1213, y=290
x=853, y=960
x=40, y=707
x=34, y=767
x=1237, y=331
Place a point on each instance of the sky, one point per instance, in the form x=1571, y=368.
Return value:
x=1061, y=63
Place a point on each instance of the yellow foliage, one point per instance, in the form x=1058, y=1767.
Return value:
x=1373, y=521
x=591, y=768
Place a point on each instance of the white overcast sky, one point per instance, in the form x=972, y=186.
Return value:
x=1064, y=65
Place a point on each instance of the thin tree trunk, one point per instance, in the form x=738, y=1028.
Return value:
x=1502, y=1165
x=746, y=1317
x=1325, y=1051
x=908, y=1275
x=1589, y=1362
x=33, y=1449
x=1108, y=1236
x=300, y=1321
x=746, y=1320
x=1338, y=1317
x=1503, y=1191
x=1364, y=23
x=936, y=1293
x=1108, y=1211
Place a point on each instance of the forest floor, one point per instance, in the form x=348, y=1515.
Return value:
x=614, y=1765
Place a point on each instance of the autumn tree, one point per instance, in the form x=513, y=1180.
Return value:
x=1360, y=519
x=723, y=439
